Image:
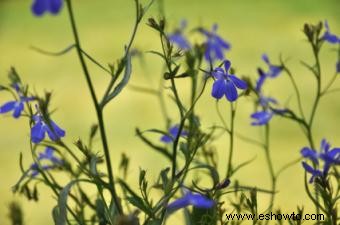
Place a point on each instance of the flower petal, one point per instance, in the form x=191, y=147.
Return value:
x=238, y=82
x=19, y=106
x=219, y=88
x=200, y=201
x=7, y=107
x=39, y=7
x=310, y=154
x=230, y=91
x=55, y=6
x=227, y=65
x=38, y=132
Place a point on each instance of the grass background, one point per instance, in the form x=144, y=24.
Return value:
x=253, y=27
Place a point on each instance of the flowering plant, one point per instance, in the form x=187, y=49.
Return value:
x=186, y=145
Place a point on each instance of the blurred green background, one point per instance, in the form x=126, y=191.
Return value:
x=253, y=27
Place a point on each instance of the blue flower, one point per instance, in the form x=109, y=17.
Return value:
x=273, y=70
x=261, y=117
x=49, y=155
x=178, y=38
x=225, y=83
x=315, y=172
x=39, y=7
x=215, y=45
x=49, y=159
x=16, y=106
x=326, y=154
x=40, y=128
x=173, y=132
x=329, y=37
x=260, y=81
x=196, y=200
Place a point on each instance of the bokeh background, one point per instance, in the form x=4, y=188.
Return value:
x=253, y=27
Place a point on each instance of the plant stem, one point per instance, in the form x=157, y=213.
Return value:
x=270, y=166
x=231, y=138
x=99, y=111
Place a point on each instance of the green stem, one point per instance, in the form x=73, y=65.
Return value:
x=270, y=166
x=231, y=138
x=99, y=111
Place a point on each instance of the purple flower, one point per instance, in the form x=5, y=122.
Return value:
x=16, y=106
x=329, y=37
x=48, y=156
x=326, y=154
x=273, y=70
x=225, y=83
x=40, y=128
x=261, y=118
x=196, y=200
x=178, y=38
x=215, y=45
x=173, y=132
x=39, y=7
x=260, y=81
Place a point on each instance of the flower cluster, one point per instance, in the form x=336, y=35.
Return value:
x=330, y=156
x=268, y=104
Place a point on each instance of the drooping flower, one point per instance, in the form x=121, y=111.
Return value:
x=40, y=129
x=16, y=106
x=178, y=38
x=194, y=199
x=330, y=37
x=48, y=159
x=39, y=7
x=326, y=154
x=173, y=132
x=273, y=70
x=215, y=45
x=226, y=84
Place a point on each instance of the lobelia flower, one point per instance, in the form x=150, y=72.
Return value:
x=329, y=37
x=196, y=200
x=273, y=71
x=173, y=132
x=16, y=106
x=261, y=118
x=215, y=45
x=226, y=84
x=326, y=154
x=39, y=7
x=48, y=155
x=40, y=128
x=178, y=38
x=260, y=81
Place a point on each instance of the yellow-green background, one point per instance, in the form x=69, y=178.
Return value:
x=253, y=27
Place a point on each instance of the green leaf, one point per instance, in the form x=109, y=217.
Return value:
x=165, y=179
x=123, y=82
x=62, y=201
x=56, y=216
